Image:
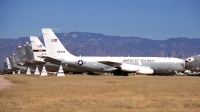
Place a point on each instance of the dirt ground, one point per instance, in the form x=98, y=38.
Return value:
x=4, y=83
x=85, y=93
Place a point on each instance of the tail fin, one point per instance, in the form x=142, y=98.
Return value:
x=11, y=62
x=21, y=54
x=14, y=60
x=53, y=45
x=38, y=48
x=28, y=50
x=8, y=63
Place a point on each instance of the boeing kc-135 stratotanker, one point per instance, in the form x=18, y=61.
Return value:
x=40, y=50
x=57, y=54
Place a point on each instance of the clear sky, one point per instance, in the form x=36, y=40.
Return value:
x=153, y=19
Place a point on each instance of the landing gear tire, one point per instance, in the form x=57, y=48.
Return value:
x=92, y=73
x=172, y=74
x=120, y=73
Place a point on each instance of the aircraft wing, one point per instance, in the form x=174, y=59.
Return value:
x=51, y=60
x=111, y=63
x=129, y=67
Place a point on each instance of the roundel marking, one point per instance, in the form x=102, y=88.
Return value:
x=80, y=62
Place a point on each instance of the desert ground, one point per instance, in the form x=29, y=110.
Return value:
x=4, y=83
x=83, y=93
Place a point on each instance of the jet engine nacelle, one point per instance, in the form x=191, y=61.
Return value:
x=137, y=69
x=145, y=71
x=130, y=68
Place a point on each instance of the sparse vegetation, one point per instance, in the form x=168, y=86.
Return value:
x=83, y=93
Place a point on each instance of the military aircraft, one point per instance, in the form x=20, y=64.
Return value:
x=40, y=50
x=57, y=54
x=7, y=67
x=13, y=63
x=193, y=63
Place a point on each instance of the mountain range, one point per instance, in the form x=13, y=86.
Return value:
x=94, y=44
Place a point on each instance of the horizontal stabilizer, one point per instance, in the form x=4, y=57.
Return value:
x=33, y=63
x=15, y=68
x=51, y=60
x=38, y=62
x=27, y=62
x=20, y=64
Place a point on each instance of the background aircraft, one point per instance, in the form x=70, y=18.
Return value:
x=193, y=63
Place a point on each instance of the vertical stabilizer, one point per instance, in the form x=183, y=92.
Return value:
x=28, y=50
x=8, y=63
x=11, y=62
x=21, y=54
x=53, y=45
x=43, y=72
x=60, y=71
x=5, y=64
x=37, y=72
x=19, y=72
x=14, y=60
x=28, y=72
x=38, y=48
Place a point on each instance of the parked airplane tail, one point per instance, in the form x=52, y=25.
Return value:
x=14, y=60
x=8, y=63
x=38, y=48
x=53, y=45
x=21, y=54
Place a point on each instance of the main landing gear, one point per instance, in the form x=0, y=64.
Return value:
x=118, y=72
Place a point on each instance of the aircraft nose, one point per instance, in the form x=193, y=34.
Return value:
x=189, y=60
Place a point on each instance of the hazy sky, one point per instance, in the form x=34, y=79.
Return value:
x=153, y=19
